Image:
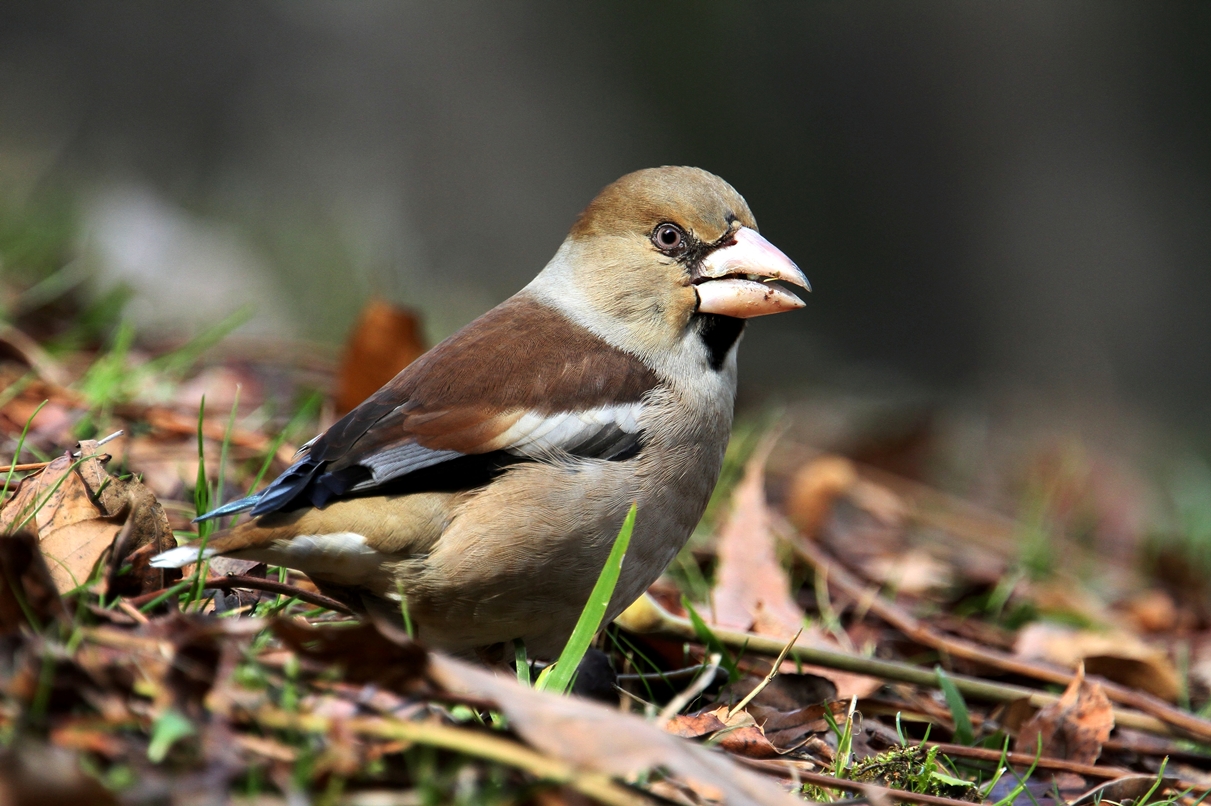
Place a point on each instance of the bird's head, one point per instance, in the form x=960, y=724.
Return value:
x=661, y=251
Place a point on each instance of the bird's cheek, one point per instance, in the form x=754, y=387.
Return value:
x=682, y=308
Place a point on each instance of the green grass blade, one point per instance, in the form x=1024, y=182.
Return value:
x=201, y=501
x=521, y=661
x=713, y=644
x=12, y=467
x=201, y=493
x=559, y=676
x=964, y=733
x=223, y=449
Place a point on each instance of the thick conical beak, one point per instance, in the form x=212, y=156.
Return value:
x=736, y=280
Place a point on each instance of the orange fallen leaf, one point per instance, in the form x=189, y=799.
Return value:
x=78, y=511
x=385, y=339
x=692, y=726
x=752, y=590
x=814, y=489
x=1074, y=728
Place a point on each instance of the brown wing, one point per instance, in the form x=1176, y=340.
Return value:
x=515, y=383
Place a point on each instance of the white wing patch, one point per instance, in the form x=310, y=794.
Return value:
x=342, y=557
x=180, y=556
x=537, y=433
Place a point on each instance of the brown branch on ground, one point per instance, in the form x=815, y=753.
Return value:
x=1042, y=762
x=869, y=599
x=24, y=468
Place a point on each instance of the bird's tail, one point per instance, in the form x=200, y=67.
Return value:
x=231, y=508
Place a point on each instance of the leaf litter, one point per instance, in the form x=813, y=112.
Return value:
x=919, y=641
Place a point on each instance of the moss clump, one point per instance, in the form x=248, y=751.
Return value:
x=915, y=769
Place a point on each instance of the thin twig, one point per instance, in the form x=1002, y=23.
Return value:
x=687, y=696
x=1184, y=722
x=132, y=611
x=256, y=583
x=1158, y=750
x=773, y=672
x=24, y=468
x=1042, y=762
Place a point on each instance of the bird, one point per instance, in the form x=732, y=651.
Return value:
x=483, y=487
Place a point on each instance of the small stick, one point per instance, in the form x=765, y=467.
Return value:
x=773, y=672
x=256, y=583
x=1042, y=762
x=132, y=611
x=23, y=468
x=687, y=696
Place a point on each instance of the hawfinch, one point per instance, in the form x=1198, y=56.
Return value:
x=486, y=483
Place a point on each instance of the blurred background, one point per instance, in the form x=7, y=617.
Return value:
x=1004, y=208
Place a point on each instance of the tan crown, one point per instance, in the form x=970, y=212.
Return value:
x=696, y=200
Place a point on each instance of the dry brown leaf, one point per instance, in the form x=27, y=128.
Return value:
x=1127, y=789
x=72, y=530
x=77, y=510
x=752, y=589
x=1152, y=611
x=914, y=572
x=385, y=339
x=748, y=741
x=593, y=737
x=741, y=736
x=1118, y=656
x=787, y=730
x=364, y=653
x=814, y=489
x=1074, y=728
x=28, y=592
x=692, y=726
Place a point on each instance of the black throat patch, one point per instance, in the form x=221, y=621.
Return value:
x=718, y=333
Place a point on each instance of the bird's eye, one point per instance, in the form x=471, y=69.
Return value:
x=668, y=238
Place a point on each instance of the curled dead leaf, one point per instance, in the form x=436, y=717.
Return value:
x=1074, y=728
x=693, y=726
x=28, y=596
x=1115, y=655
x=78, y=512
x=385, y=339
x=815, y=487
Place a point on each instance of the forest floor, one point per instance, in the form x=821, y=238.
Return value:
x=838, y=628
